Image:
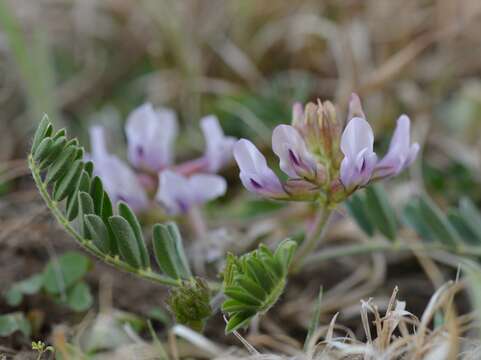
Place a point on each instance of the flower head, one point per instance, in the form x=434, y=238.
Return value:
x=150, y=136
x=179, y=193
x=322, y=161
x=119, y=181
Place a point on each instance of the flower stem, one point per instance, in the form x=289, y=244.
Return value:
x=312, y=239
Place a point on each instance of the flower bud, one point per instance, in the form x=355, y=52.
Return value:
x=330, y=132
x=190, y=303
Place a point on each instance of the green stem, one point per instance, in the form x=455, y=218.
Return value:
x=313, y=238
x=87, y=244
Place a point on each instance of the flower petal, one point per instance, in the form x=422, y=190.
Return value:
x=179, y=193
x=295, y=160
x=150, y=135
x=218, y=146
x=401, y=153
x=255, y=175
x=358, y=171
x=119, y=181
x=357, y=136
x=206, y=187
x=173, y=192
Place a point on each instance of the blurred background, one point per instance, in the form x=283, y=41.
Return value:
x=91, y=61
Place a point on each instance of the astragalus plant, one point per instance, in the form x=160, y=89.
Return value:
x=95, y=197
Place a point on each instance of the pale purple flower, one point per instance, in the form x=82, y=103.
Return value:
x=179, y=193
x=295, y=160
x=357, y=144
x=118, y=179
x=218, y=146
x=150, y=135
x=401, y=152
x=255, y=175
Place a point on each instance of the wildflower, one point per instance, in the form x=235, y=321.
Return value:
x=322, y=161
x=401, y=152
x=357, y=145
x=255, y=175
x=179, y=193
x=150, y=136
x=119, y=181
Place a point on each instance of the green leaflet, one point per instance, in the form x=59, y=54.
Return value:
x=471, y=216
x=43, y=149
x=169, y=251
x=99, y=232
x=97, y=193
x=44, y=130
x=254, y=282
x=380, y=212
x=54, y=152
x=127, y=213
x=356, y=208
x=61, y=164
x=86, y=206
x=72, y=205
x=437, y=223
x=69, y=182
x=126, y=241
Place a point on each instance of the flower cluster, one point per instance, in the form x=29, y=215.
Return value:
x=150, y=138
x=321, y=160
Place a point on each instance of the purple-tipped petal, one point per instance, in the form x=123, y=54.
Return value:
x=359, y=161
x=255, y=175
x=179, y=193
x=295, y=160
x=218, y=146
x=119, y=181
x=401, y=152
x=150, y=135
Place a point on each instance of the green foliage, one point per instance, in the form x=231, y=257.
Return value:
x=254, y=282
x=373, y=212
x=459, y=226
x=61, y=274
x=62, y=279
x=13, y=322
x=28, y=286
x=82, y=206
x=190, y=303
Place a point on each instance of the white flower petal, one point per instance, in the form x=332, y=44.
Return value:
x=357, y=136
